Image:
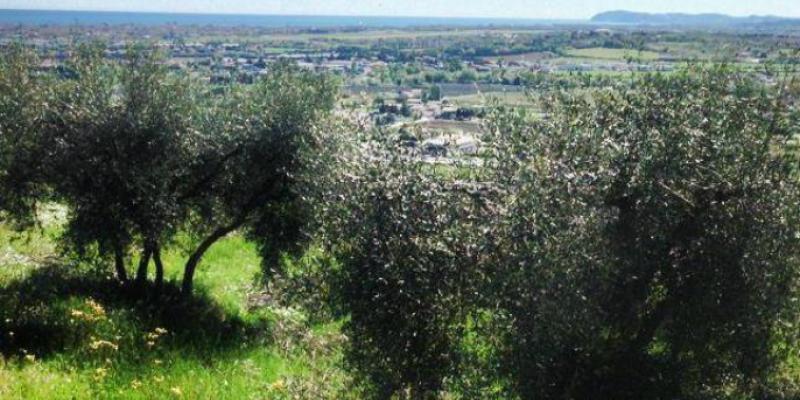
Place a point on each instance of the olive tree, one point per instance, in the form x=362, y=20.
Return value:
x=22, y=99
x=650, y=242
x=138, y=154
x=116, y=139
x=263, y=142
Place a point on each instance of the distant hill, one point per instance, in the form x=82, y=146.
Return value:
x=638, y=18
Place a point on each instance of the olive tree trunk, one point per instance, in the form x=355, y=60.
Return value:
x=141, y=273
x=159, y=266
x=119, y=264
x=197, y=255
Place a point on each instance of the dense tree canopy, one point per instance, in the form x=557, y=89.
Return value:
x=266, y=138
x=115, y=136
x=408, y=244
x=652, y=238
x=21, y=106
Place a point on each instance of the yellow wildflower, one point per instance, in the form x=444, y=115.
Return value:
x=100, y=373
x=277, y=385
x=96, y=308
x=98, y=344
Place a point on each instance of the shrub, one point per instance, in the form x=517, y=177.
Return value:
x=407, y=241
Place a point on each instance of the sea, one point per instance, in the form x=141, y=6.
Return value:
x=51, y=17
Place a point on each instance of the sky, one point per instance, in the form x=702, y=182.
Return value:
x=546, y=9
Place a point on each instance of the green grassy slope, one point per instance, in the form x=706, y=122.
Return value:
x=70, y=332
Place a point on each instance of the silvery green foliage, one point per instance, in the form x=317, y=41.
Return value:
x=114, y=136
x=22, y=98
x=650, y=237
x=639, y=241
x=263, y=161
x=409, y=240
x=138, y=153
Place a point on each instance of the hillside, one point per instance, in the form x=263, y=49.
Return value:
x=638, y=18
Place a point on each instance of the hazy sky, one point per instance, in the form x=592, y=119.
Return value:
x=561, y=9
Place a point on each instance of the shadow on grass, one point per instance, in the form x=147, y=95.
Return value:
x=37, y=316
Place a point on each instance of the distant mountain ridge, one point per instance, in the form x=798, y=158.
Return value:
x=639, y=18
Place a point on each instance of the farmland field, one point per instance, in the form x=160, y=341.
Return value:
x=613, y=54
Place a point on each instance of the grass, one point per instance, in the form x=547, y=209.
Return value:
x=686, y=50
x=69, y=331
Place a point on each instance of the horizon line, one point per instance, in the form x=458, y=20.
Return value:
x=492, y=20
x=297, y=15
